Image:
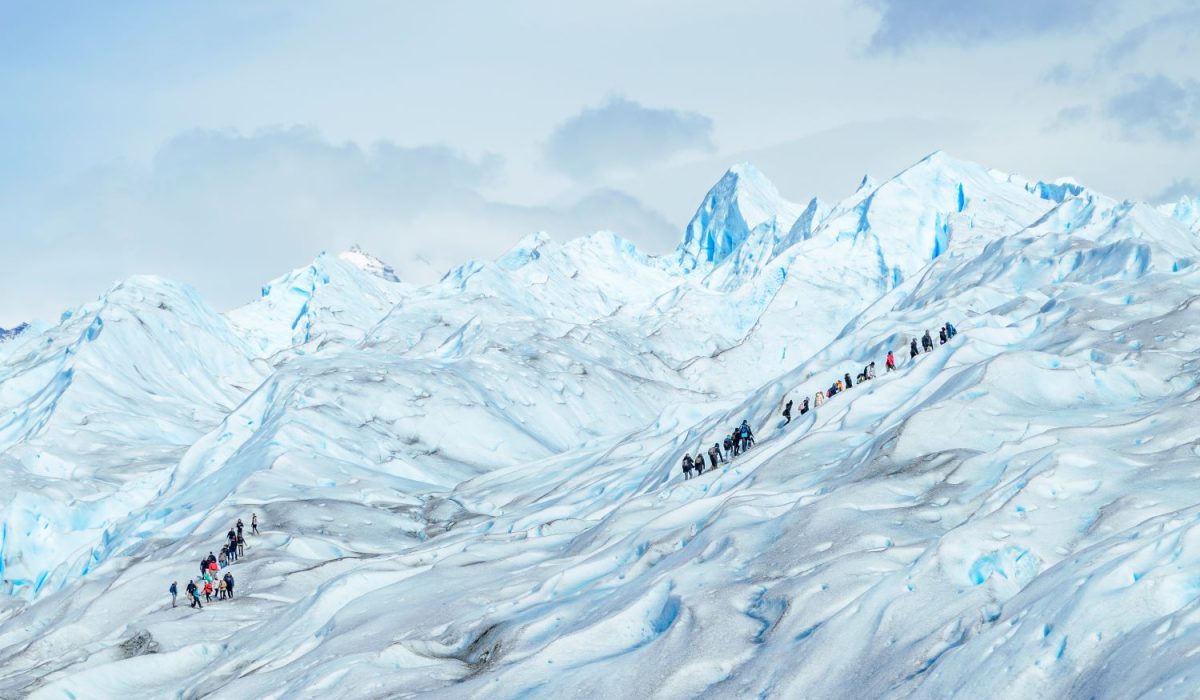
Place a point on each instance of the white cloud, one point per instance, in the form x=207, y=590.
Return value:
x=622, y=135
x=1156, y=106
x=226, y=211
x=904, y=24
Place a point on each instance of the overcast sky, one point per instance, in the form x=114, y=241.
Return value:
x=225, y=143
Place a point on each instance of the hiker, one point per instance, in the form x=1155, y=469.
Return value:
x=716, y=449
x=859, y=377
x=194, y=594
x=804, y=406
x=942, y=336
x=241, y=545
x=747, y=436
x=819, y=399
x=174, y=591
x=223, y=557
x=228, y=584
x=729, y=446
x=203, y=565
x=927, y=342
x=687, y=467
x=700, y=460
x=890, y=362
x=871, y=370
x=848, y=384
x=208, y=591
x=737, y=442
x=787, y=412
x=912, y=349
x=254, y=523
x=951, y=331
x=239, y=526
x=221, y=589
x=212, y=568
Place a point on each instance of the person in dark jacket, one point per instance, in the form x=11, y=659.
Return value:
x=787, y=412
x=241, y=545
x=942, y=336
x=804, y=406
x=687, y=467
x=927, y=342
x=194, y=594
x=912, y=349
x=254, y=523
x=729, y=446
x=229, y=584
x=716, y=449
x=951, y=331
x=174, y=592
x=849, y=384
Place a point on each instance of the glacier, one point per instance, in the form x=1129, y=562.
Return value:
x=473, y=488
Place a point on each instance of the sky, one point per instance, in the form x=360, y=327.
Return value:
x=223, y=144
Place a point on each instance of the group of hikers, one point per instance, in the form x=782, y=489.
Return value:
x=210, y=582
x=742, y=438
x=736, y=442
x=945, y=333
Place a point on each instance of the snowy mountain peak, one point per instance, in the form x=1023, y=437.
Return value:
x=742, y=201
x=1056, y=191
x=10, y=333
x=526, y=251
x=1186, y=211
x=369, y=263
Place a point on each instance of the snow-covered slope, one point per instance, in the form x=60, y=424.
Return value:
x=471, y=489
x=335, y=299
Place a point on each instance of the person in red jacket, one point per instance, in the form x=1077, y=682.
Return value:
x=891, y=361
x=208, y=591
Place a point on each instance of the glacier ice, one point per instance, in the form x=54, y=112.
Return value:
x=472, y=488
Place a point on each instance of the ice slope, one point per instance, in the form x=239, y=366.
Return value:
x=741, y=214
x=92, y=413
x=478, y=494
x=801, y=298
x=335, y=299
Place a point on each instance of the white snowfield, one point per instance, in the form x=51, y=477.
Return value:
x=473, y=489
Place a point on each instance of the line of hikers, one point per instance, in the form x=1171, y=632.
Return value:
x=210, y=582
x=736, y=442
x=945, y=333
